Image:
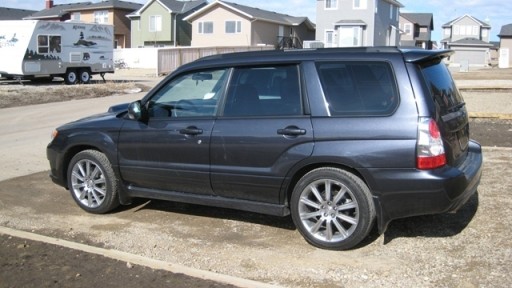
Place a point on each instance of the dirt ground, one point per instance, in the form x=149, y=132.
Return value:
x=471, y=248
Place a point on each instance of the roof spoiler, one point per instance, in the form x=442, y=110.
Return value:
x=421, y=56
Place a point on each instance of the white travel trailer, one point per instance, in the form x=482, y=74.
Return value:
x=34, y=49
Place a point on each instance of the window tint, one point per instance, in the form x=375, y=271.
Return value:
x=190, y=95
x=264, y=91
x=441, y=85
x=358, y=88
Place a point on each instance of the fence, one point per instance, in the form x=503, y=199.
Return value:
x=166, y=60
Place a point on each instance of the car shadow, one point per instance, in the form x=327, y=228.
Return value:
x=433, y=226
x=210, y=212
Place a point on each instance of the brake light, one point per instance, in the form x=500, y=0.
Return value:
x=430, y=149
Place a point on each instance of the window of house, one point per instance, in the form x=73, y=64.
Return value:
x=359, y=88
x=205, y=27
x=233, y=27
x=391, y=10
x=485, y=32
x=155, y=23
x=408, y=28
x=75, y=16
x=101, y=16
x=462, y=30
x=447, y=31
x=456, y=30
x=331, y=4
x=359, y=4
x=475, y=31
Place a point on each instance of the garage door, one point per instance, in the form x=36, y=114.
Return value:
x=474, y=57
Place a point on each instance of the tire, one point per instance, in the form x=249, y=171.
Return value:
x=332, y=208
x=92, y=182
x=71, y=77
x=85, y=76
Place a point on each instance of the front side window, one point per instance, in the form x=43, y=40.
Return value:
x=264, y=91
x=233, y=27
x=331, y=4
x=101, y=16
x=155, y=23
x=358, y=88
x=191, y=95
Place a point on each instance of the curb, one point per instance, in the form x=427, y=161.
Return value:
x=138, y=260
x=490, y=115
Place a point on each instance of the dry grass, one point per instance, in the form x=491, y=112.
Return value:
x=15, y=94
x=483, y=74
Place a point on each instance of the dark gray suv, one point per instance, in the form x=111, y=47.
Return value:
x=338, y=138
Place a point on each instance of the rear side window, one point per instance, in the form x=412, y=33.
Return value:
x=358, y=88
x=441, y=85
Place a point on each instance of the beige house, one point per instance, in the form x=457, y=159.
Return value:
x=416, y=30
x=223, y=23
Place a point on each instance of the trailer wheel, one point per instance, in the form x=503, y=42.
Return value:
x=85, y=76
x=70, y=78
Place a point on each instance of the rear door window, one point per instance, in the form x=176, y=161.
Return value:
x=358, y=88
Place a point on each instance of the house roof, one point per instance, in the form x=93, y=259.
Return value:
x=108, y=4
x=422, y=19
x=255, y=13
x=56, y=11
x=350, y=23
x=173, y=6
x=14, y=14
x=506, y=31
x=469, y=41
x=482, y=23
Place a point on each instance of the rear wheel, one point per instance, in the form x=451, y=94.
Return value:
x=332, y=208
x=71, y=77
x=92, y=182
x=85, y=76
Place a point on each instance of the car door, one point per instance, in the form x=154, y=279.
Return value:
x=171, y=150
x=262, y=133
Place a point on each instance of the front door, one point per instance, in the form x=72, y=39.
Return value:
x=171, y=150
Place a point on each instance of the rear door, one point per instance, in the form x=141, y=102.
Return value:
x=451, y=114
x=262, y=133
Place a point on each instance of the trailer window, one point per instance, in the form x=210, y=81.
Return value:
x=42, y=44
x=55, y=44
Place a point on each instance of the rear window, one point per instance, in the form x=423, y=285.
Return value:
x=441, y=86
x=358, y=88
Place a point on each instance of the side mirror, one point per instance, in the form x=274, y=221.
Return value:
x=135, y=111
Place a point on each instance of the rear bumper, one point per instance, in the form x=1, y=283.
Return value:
x=411, y=192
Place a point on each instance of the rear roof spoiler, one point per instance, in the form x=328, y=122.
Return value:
x=421, y=56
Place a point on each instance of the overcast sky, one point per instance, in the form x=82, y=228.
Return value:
x=498, y=12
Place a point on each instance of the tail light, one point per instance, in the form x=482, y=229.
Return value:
x=430, y=149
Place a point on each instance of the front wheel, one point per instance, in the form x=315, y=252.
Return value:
x=92, y=182
x=71, y=77
x=332, y=208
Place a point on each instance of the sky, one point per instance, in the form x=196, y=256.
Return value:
x=497, y=12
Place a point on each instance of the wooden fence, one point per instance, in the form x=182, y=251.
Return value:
x=169, y=59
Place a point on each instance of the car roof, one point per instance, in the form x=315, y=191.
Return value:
x=297, y=55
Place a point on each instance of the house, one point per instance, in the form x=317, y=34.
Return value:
x=416, y=30
x=14, y=14
x=106, y=12
x=160, y=23
x=469, y=38
x=358, y=22
x=222, y=23
x=505, y=61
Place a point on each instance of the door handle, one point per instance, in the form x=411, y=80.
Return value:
x=291, y=131
x=191, y=131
